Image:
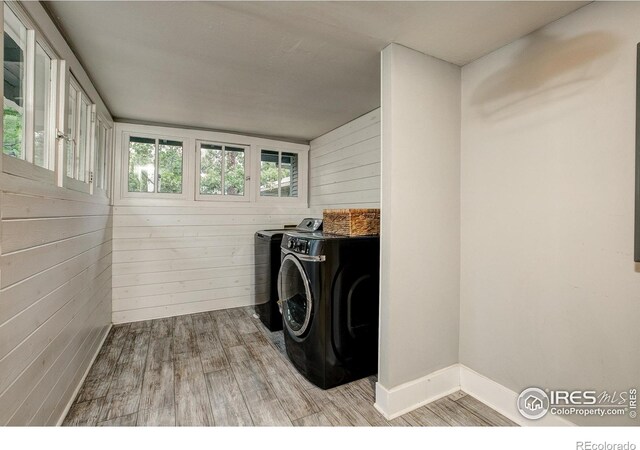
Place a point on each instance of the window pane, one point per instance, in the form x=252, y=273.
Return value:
x=169, y=167
x=269, y=173
x=107, y=152
x=41, y=107
x=234, y=171
x=83, y=138
x=101, y=140
x=289, y=175
x=100, y=150
x=96, y=154
x=71, y=130
x=142, y=164
x=15, y=44
x=210, y=169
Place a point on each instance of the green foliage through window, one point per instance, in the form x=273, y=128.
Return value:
x=15, y=44
x=12, y=139
x=234, y=171
x=210, y=169
x=145, y=175
x=170, y=167
x=269, y=173
x=215, y=181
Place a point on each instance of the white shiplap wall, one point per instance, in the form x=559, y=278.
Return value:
x=172, y=260
x=344, y=166
x=55, y=296
x=184, y=256
x=181, y=256
x=55, y=279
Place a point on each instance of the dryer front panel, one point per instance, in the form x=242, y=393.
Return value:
x=355, y=313
x=295, y=296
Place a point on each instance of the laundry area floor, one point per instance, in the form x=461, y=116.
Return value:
x=224, y=368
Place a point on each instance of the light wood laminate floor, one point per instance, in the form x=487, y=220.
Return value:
x=224, y=368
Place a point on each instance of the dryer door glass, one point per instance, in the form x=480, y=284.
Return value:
x=293, y=288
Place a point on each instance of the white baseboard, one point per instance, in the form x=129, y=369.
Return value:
x=502, y=399
x=161, y=312
x=402, y=399
x=411, y=395
x=86, y=372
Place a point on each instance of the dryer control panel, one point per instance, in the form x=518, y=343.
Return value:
x=298, y=245
x=306, y=244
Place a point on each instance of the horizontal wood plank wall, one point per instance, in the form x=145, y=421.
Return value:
x=344, y=166
x=173, y=260
x=55, y=295
x=55, y=278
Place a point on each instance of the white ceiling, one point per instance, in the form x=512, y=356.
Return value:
x=288, y=69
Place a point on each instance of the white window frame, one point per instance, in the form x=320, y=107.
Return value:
x=26, y=168
x=73, y=182
x=101, y=121
x=191, y=168
x=124, y=167
x=303, y=180
x=247, y=171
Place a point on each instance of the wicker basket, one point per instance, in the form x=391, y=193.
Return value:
x=351, y=222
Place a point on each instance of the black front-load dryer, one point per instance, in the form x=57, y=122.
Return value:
x=267, y=267
x=328, y=287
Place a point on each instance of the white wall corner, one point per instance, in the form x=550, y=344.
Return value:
x=402, y=399
x=411, y=395
x=84, y=377
x=502, y=399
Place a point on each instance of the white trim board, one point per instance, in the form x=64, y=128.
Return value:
x=502, y=399
x=84, y=377
x=408, y=396
x=402, y=399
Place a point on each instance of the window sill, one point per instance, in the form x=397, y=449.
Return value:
x=76, y=185
x=268, y=200
x=100, y=193
x=24, y=169
x=153, y=196
x=244, y=199
x=178, y=203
